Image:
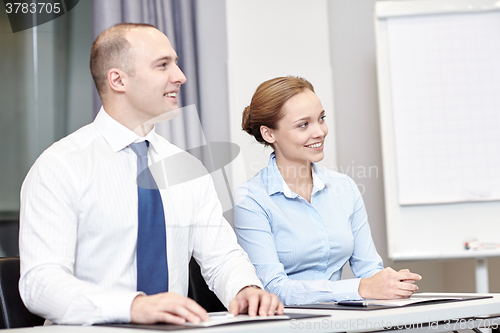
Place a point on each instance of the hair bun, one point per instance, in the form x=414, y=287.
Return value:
x=266, y=107
x=245, y=123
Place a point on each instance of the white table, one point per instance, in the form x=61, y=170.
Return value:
x=454, y=316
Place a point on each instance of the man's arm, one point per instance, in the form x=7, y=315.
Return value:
x=176, y=309
x=47, y=246
x=256, y=301
x=166, y=308
x=224, y=264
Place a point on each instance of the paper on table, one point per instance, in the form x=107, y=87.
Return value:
x=222, y=318
x=399, y=302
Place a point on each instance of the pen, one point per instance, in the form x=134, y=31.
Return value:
x=352, y=303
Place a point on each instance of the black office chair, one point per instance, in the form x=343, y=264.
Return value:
x=198, y=290
x=13, y=313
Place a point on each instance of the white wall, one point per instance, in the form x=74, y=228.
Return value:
x=266, y=39
x=358, y=129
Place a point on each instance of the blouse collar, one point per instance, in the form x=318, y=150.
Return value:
x=276, y=183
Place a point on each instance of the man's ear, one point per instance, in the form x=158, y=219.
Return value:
x=116, y=80
x=267, y=134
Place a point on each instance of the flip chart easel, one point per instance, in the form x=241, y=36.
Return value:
x=438, y=79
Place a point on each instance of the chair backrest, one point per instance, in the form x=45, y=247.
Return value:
x=13, y=313
x=198, y=290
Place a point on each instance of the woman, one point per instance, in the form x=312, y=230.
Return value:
x=298, y=222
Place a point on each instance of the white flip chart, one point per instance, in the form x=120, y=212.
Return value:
x=445, y=74
x=438, y=66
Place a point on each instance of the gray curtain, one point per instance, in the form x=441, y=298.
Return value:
x=175, y=18
x=34, y=90
x=45, y=94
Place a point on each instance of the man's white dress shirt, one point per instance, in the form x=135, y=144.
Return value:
x=79, y=220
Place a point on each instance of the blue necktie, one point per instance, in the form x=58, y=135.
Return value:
x=152, y=269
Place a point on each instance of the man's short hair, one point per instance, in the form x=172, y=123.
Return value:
x=111, y=50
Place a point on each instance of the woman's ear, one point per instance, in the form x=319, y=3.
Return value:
x=267, y=134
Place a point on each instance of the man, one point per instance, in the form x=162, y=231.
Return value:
x=84, y=237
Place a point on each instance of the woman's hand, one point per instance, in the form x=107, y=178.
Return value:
x=389, y=284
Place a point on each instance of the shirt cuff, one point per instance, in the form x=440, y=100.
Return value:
x=115, y=306
x=347, y=290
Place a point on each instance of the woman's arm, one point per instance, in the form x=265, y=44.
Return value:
x=253, y=229
x=365, y=261
x=376, y=282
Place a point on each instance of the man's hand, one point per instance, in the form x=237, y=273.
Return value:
x=389, y=284
x=255, y=301
x=166, y=308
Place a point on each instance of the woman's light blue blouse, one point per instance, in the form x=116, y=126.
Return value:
x=299, y=248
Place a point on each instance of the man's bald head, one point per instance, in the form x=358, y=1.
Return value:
x=111, y=49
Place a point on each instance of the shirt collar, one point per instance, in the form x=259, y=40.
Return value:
x=277, y=184
x=119, y=136
x=274, y=179
x=318, y=183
